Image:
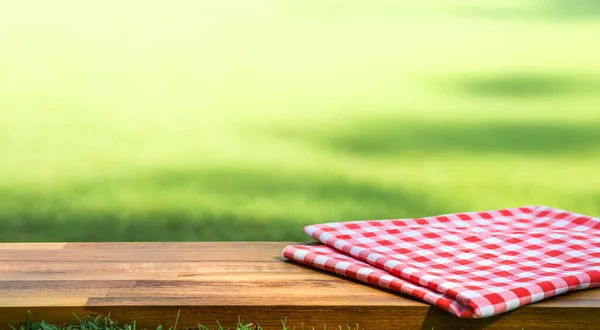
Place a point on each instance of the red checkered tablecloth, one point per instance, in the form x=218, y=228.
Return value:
x=473, y=265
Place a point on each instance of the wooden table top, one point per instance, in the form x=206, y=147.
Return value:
x=206, y=282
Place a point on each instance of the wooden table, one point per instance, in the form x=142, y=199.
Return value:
x=151, y=282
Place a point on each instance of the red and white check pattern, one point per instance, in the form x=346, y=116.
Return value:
x=474, y=265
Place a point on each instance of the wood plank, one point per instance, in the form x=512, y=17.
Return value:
x=149, y=255
x=45, y=299
x=32, y=246
x=7, y=285
x=213, y=281
x=258, y=292
x=206, y=270
x=222, y=246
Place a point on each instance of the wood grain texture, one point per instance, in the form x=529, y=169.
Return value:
x=151, y=282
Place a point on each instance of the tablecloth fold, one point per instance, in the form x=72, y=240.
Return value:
x=473, y=265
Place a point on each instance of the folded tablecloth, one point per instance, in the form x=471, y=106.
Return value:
x=473, y=265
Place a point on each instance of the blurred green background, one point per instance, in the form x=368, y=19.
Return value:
x=246, y=120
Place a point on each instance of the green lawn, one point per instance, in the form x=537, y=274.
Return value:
x=102, y=322
x=246, y=120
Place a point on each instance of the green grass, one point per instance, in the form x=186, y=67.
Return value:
x=103, y=322
x=246, y=120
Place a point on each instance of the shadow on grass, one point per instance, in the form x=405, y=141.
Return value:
x=572, y=8
x=526, y=86
x=397, y=137
x=537, y=9
x=542, y=9
x=173, y=207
